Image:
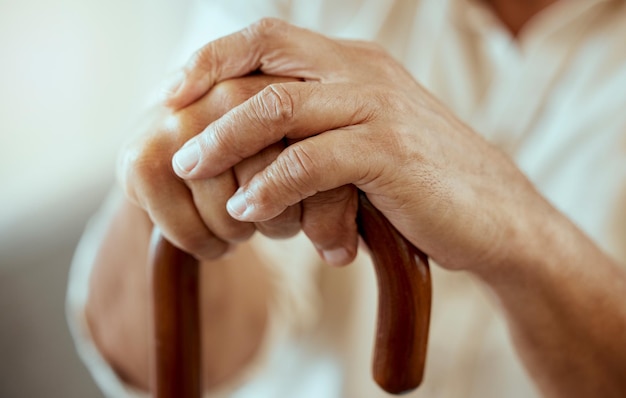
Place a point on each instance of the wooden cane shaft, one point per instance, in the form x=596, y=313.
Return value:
x=176, y=354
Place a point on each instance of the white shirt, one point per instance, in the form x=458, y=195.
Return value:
x=553, y=99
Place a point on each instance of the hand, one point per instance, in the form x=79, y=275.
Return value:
x=192, y=214
x=356, y=117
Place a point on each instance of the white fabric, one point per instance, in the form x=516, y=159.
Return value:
x=77, y=294
x=553, y=100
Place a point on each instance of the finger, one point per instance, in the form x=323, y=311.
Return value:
x=173, y=210
x=317, y=164
x=210, y=197
x=150, y=184
x=292, y=110
x=270, y=45
x=287, y=223
x=329, y=221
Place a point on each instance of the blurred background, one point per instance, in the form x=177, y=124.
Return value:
x=73, y=76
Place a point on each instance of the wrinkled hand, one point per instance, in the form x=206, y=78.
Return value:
x=192, y=213
x=356, y=117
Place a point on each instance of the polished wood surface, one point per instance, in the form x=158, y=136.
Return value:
x=404, y=299
x=176, y=362
x=404, y=288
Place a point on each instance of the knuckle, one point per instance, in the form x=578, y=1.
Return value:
x=285, y=225
x=275, y=103
x=148, y=161
x=383, y=97
x=323, y=232
x=329, y=217
x=193, y=242
x=203, y=58
x=322, y=238
x=230, y=93
x=220, y=139
x=266, y=27
x=199, y=245
x=338, y=198
x=387, y=99
x=235, y=231
x=297, y=170
x=186, y=123
x=142, y=163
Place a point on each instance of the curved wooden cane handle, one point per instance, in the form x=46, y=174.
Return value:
x=404, y=287
x=404, y=296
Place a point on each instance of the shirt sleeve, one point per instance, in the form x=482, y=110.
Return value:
x=76, y=299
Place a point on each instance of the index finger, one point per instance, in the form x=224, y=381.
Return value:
x=270, y=45
x=283, y=110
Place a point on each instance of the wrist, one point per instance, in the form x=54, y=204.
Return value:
x=528, y=248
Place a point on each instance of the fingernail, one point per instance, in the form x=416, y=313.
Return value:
x=237, y=205
x=187, y=157
x=338, y=256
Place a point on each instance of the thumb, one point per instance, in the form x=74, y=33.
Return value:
x=272, y=46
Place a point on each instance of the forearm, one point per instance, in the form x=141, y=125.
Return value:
x=564, y=301
x=234, y=294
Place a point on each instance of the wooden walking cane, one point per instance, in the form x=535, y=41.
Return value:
x=404, y=288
